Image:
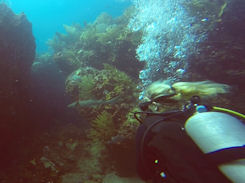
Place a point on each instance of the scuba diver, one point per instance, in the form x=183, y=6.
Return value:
x=197, y=144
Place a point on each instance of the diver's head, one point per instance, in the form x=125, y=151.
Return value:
x=157, y=89
x=160, y=95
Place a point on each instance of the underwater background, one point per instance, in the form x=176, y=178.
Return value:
x=73, y=72
x=49, y=16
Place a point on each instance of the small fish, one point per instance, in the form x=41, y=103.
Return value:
x=204, y=19
x=90, y=103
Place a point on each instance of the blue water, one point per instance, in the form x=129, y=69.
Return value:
x=48, y=16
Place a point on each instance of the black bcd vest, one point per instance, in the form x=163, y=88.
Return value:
x=167, y=154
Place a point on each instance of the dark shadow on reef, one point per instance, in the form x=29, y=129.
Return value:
x=221, y=56
x=17, y=52
x=48, y=98
x=30, y=100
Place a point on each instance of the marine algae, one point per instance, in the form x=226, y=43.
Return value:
x=102, y=127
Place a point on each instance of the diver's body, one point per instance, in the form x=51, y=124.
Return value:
x=167, y=153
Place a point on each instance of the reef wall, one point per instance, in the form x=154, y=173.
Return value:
x=221, y=56
x=107, y=40
x=17, y=52
x=99, y=60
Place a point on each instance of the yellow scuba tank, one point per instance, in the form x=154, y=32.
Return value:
x=213, y=131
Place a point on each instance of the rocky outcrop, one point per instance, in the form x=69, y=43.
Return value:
x=222, y=54
x=17, y=52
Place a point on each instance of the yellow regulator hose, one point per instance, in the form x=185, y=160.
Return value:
x=229, y=111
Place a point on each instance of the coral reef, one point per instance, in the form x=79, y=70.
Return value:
x=102, y=69
x=106, y=40
x=100, y=62
x=105, y=98
x=91, y=84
